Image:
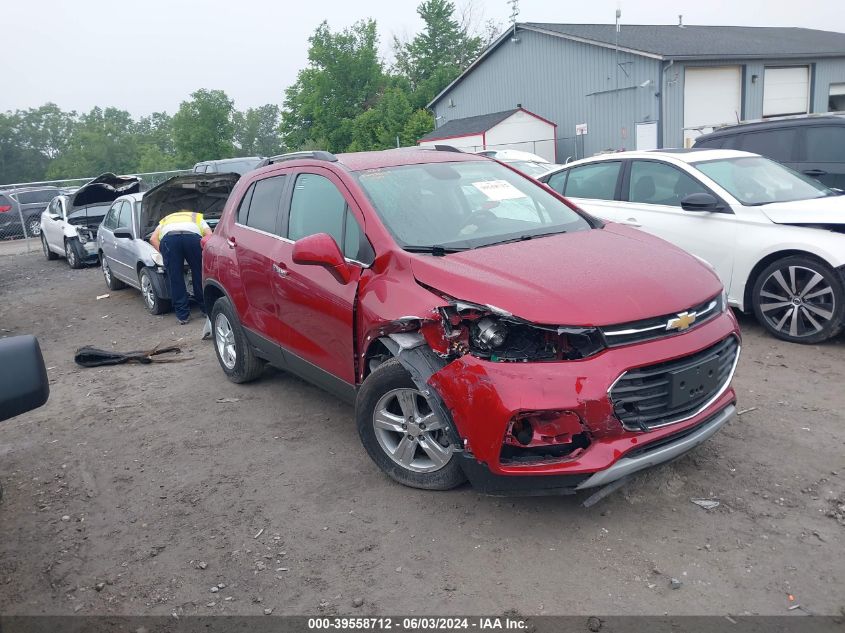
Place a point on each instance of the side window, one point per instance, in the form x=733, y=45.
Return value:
x=355, y=244
x=596, y=180
x=124, y=218
x=111, y=217
x=200, y=169
x=558, y=181
x=825, y=144
x=774, y=144
x=658, y=183
x=264, y=203
x=316, y=207
x=53, y=207
x=243, y=209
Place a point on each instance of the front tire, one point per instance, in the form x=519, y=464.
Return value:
x=401, y=433
x=50, y=255
x=73, y=253
x=235, y=354
x=33, y=227
x=799, y=299
x=154, y=303
x=111, y=281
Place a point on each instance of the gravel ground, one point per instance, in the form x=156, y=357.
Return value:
x=166, y=489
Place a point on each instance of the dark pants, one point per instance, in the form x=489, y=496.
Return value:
x=176, y=249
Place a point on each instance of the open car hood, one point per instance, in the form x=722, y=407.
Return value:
x=104, y=189
x=829, y=210
x=202, y=193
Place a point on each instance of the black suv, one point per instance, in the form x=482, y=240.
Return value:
x=813, y=145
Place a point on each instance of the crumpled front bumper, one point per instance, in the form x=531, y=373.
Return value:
x=483, y=397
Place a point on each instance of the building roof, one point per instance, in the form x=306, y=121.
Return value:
x=680, y=42
x=468, y=126
x=666, y=42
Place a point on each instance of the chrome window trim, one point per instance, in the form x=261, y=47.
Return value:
x=698, y=411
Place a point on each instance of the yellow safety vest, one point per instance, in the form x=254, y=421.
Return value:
x=182, y=216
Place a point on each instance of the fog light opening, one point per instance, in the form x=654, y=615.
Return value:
x=543, y=436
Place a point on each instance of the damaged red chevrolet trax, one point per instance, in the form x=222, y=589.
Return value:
x=483, y=326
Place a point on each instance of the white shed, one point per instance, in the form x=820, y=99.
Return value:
x=511, y=129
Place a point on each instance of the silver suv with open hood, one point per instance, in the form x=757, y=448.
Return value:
x=69, y=224
x=126, y=256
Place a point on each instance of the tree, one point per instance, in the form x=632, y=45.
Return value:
x=103, y=140
x=203, y=128
x=19, y=162
x=257, y=131
x=47, y=129
x=420, y=123
x=437, y=54
x=344, y=77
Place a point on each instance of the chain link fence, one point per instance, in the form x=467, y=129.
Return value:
x=22, y=203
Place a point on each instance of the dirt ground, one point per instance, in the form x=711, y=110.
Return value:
x=137, y=489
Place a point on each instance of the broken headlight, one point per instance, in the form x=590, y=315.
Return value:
x=158, y=260
x=496, y=336
x=83, y=236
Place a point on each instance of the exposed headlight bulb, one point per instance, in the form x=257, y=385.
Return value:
x=491, y=333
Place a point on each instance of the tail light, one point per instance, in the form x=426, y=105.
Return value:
x=5, y=207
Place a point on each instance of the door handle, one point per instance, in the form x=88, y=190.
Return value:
x=279, y=270
x=630, y=222
x=231, y=242
x=815, y=172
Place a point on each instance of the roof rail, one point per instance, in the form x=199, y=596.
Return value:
x=315, y=154
x=785, y=117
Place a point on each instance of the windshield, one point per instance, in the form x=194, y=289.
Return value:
x=464, y=205
x=754, y=180
x=94, y=212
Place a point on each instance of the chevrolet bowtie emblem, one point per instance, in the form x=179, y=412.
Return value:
x=681, y=322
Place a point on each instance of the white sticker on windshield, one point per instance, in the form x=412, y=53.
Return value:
x=498, y=190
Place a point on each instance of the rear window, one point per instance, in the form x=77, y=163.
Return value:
x=596, y=181
x=38, y=196
x=825, y=144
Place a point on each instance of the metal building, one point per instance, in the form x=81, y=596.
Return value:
x=646, y=86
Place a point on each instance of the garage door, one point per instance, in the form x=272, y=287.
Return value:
x=712, y=95
x=786, y=90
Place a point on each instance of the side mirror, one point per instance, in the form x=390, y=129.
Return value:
x=123, y=233
x=700, y=202
x=23, y=376
x=54, y=216
x=320, y=249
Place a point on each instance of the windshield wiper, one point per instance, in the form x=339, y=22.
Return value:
x=437, y=251
x=525, y=238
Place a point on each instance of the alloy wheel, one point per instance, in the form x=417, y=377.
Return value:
x=409, y=432
x=147, y=291
x=106, y=271
x=70, y=254
x=34, y=227
x=797, y=301
x=224, y=338
x=44, y=246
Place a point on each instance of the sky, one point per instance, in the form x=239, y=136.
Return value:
x=148, y=55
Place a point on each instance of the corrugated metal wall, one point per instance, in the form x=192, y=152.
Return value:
x=827, y=71
x=553, y=77
x=569, y=83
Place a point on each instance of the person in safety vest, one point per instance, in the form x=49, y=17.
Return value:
x=179, y=239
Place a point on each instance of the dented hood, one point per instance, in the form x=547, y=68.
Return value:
x=203, y=193
x=828, y=210
x=598, y=277
x=104, y=189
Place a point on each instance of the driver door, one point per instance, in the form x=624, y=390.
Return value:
x=54, y=225
x=651, y=199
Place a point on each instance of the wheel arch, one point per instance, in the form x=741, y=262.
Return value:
x=211, y=292
x=747, y=304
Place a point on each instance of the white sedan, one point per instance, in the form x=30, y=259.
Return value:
x=776, y=238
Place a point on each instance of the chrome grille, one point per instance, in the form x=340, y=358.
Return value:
x=656, y=327
x=642, y=397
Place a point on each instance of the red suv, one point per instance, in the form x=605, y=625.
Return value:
x=483, y=326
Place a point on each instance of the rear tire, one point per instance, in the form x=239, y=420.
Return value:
x=50, y=255
x=33, y=226
x=154, y=303
x=402, y=435
x=235, y=354
x=73, y=253
x=799, y=299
